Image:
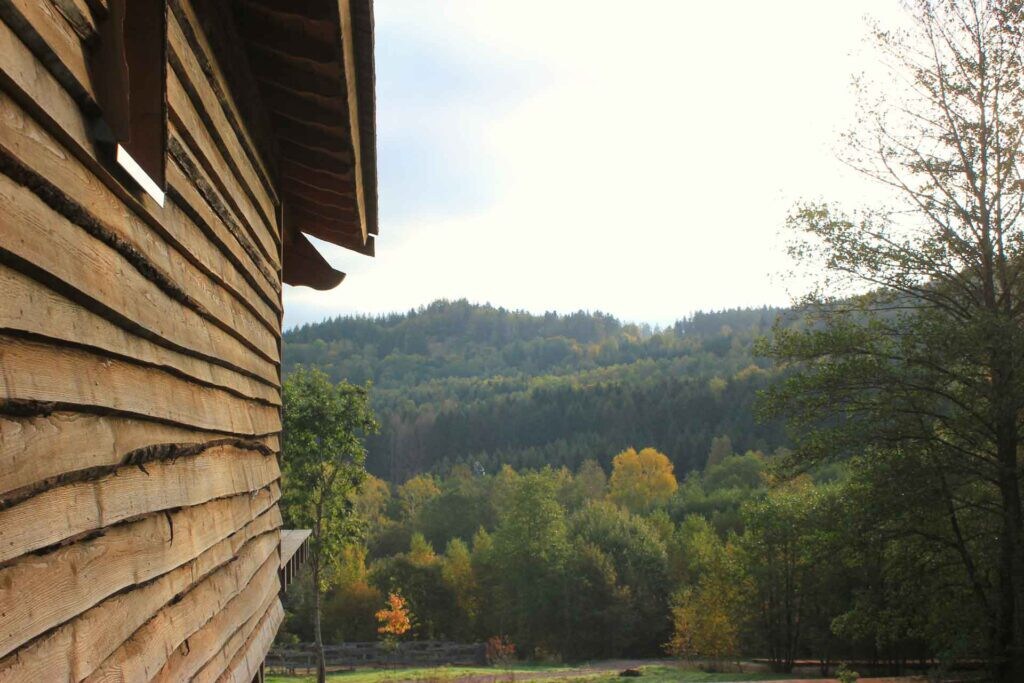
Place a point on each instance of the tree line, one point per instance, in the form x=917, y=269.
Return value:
x=630, y=561
x=455, y=382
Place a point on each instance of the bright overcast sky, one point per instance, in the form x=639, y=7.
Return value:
x=635, y=158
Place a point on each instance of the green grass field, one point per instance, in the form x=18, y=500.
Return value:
x=524, y=672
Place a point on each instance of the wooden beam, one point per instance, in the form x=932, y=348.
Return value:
x=305, y=266
x=196, y=266
x=212, y=110
x=205, y=205
x=247, y=128
x=80, y=17
x=54, y=42
x=348, y=49
x=234, y=645
x=37, y=147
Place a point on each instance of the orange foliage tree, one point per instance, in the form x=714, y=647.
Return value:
x=395, y=619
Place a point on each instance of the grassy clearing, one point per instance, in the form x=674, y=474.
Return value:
x=524, y=672
x=439, y=673
x=662, y=674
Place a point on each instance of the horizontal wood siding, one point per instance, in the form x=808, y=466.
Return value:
x=140, y=359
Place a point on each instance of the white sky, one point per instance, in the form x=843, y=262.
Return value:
x=636, y=158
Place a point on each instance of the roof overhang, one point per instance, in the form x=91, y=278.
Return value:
x=312, y=65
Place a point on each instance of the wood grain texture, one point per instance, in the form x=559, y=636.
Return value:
x=38, y=450
x=210, y=108
x=246, y=663
x=49, y=35
x=68, y=258
x=75, y=649
x=66, y=511
x=34, y=308
x=35, y=88
x=34, y=371
x=204, y=644
x=351, y=83
x=220, y=662
x=252, y=129
x=172, y=629
x=184, y=178
x=70, y=580
x=195, y=265
x=188, y=123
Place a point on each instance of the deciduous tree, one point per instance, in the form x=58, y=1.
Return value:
x=641, y=481
x=914, y=351
x=323, y=464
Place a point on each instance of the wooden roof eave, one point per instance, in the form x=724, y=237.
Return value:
x=305, y=266
x=351, y=84
x=324, y=134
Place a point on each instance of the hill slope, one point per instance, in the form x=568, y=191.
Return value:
x=456, y=383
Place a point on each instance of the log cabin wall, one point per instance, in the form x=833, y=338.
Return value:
x=139, y=369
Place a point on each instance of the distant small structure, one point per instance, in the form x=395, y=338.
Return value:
x=161, y=163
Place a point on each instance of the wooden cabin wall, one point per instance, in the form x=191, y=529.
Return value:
x=139, y=374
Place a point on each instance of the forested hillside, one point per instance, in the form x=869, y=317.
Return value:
x=456, y=382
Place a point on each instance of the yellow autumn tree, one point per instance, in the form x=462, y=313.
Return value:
x=706, y=614
x=642, y=481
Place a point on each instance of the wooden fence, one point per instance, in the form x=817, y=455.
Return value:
x=303, y=657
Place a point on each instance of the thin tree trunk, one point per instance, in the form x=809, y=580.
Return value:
x=1010, y=628
x=321, y=665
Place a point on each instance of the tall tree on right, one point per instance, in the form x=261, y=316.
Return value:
x=912, y=358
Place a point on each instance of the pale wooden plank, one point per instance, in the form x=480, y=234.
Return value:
x=244, y=666
x=221, y=291
x=38, y=235
x=57, y=317
x=197, y=84
x=80, y=507
x=36, y=450
x=29, y=76
x=70, y=580
x=57, y=43
x=186, y=120
x=230, y=237
x=75, y=649
x=35, y=371
x=219, y=663
x=199, y=43
x=291, y=541
x=204, y=644
x=141, y=657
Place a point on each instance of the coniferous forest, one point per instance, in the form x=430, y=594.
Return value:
x=458, y=383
